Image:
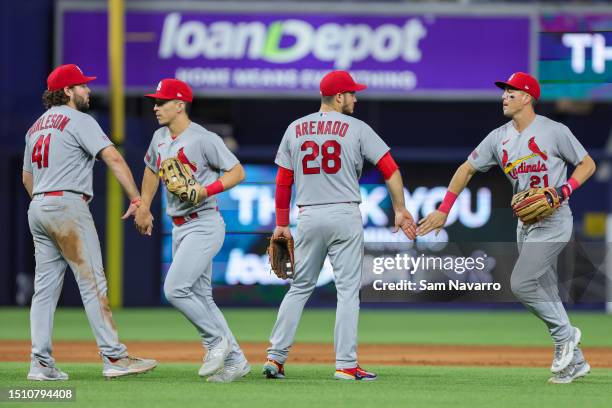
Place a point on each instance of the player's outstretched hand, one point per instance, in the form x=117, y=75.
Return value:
x=134, y=204
x=281, y=232
x=404, y=220
x=434, y=221
x=144, y=221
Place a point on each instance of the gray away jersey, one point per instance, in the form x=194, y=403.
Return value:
x=201, y=150
x=60, y=150
x=325, y=150
x=537, y=157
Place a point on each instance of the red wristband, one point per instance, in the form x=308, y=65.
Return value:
x=214, y=188
x=447, y=203
x=573, y=183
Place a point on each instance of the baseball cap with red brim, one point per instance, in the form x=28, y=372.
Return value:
x=523, y=82
x=339, y=82
x=67, y=75
x=170, y=88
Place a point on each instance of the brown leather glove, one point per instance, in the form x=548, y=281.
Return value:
x=179, y=180
x=280, y=252
x=535, y=204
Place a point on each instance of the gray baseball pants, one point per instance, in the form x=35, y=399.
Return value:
x=335, y=230
x=534, y=278
x=188, y=284
x=64, y=234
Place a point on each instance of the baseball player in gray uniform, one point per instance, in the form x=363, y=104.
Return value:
x=533, y=151
x=199, y=230
x=61, y=148
x=324, y=153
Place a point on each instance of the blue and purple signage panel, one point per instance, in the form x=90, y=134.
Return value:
x=576, y=56
x=254, y=53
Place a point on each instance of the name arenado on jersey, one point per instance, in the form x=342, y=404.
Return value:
x=342, y=44
x=321, y=127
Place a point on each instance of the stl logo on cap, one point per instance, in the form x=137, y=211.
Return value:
x=337, y=82
x=171, y=88
x=66, y=75
x=523, y=82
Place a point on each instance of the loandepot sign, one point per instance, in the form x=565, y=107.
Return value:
x=273, y=53
x=339, y=44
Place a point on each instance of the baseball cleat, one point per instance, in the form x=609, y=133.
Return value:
x=571, y=373
x=357, y=373
x=215, y=357
x=564, y=352
x=40, y=372
x=114, y=368
x=230, y=373
x=273, y=369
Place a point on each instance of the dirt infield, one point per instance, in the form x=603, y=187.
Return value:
x=396, y=354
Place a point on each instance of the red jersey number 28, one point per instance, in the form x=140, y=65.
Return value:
x=330, y=162
x=40, y=152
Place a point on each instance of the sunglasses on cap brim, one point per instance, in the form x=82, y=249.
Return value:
x=161, y=102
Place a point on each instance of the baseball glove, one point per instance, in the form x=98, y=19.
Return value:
x=179, y=180
x=535, y=204
x=280, y=252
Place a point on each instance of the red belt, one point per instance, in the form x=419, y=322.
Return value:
x=61, y=193
x=178, y=221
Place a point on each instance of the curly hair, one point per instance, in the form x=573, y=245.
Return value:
x=55, y=98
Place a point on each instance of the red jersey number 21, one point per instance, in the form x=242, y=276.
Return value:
x=330, y=162
x=40, y=152
x=536, y=180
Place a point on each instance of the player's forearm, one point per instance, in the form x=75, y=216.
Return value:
x=460, y=180
x=229, y=179
x=584, y=170
x=282, y=196
x=395, y=185
x=116, y=163
x=150, y=184
x=28, y=182
x=126, y=180
x=233, y=177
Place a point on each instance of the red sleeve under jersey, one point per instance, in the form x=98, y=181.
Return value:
x=284, y=181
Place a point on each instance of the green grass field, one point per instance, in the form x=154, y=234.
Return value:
x=308, y=385
x=177, y=385
x=375, y=326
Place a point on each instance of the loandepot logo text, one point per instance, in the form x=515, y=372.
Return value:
x=290, y=40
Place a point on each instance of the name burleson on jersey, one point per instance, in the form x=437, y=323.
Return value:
x=54, y=121
x=321, y=127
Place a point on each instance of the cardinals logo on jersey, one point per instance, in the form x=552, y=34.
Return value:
x=516, y=167
x=536, y=151
x=533, y=146
x=183, y=159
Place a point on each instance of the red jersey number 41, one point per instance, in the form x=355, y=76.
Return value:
x=40, y=152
